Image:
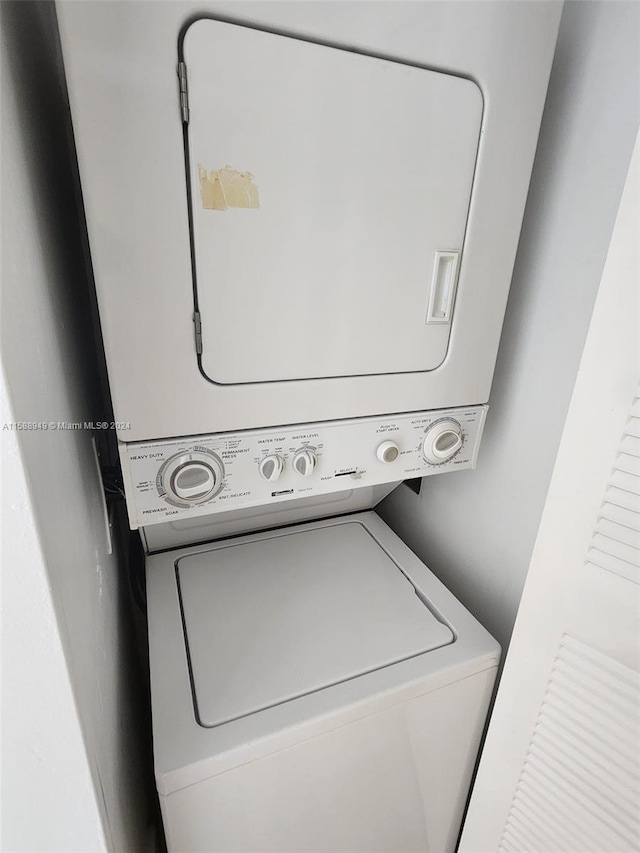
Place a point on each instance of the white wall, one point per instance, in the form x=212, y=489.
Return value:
x=61, y=589
x=48, y=800
x=476, y=529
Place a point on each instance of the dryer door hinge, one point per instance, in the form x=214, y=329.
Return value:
x=184, y=92
x=198, y=331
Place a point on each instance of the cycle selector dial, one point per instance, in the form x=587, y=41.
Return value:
x=193, y=481
x=271, y=467
x=305, y=461
x=388, y=451
x=191, y=477
x=442, y=441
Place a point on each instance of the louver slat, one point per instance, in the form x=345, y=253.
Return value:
x=578, y=793
x=615, y=543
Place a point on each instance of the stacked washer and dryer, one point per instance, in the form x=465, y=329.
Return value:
x=302, y=220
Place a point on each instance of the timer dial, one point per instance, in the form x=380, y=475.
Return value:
x=191, y=477
x=304, y=461
x=442, y=441
x=271, y=467
x=193, y=480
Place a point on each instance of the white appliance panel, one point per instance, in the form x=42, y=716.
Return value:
x=393, y=781
x=189, y=531
x=120, y=62
x=377, y=759
x=347, y=454
x=323, y=185
x=266, y=622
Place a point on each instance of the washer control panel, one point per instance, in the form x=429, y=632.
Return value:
x=179, y=478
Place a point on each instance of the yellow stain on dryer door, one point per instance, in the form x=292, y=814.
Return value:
x=224, y=188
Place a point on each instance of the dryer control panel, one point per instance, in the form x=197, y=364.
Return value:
x=201, y=475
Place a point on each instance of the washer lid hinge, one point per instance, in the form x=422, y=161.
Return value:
x=184, y=92
x=197, y=324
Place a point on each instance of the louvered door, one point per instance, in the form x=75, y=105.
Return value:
x=615, y=544
x=560, y=768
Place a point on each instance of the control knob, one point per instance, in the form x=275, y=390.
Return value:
x=271, y=467
x=442, y=441
x=191, y=477
x=388, y=451
x=304, y=461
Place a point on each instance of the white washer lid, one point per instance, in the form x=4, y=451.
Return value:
x=270, y=620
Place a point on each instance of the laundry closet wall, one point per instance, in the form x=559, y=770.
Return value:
x=70, y=752
x=476, y=529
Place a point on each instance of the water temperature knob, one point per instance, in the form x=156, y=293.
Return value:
x=305, y=461
x=272, y=466
x=442, y=441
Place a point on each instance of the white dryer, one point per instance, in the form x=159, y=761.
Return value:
x=317, y=217
x=314, y=688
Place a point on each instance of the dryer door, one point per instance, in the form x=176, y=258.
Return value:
x=329, y=198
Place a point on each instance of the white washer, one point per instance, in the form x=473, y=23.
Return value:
x=314, y=687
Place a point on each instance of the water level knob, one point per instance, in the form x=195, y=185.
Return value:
x=305, y=461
